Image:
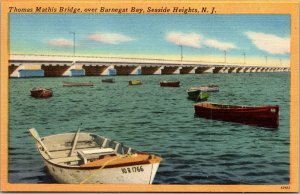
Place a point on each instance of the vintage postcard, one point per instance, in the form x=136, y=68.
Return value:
x=149, y=96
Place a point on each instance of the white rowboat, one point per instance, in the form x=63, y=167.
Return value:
x=209, y=88
x=79, y=158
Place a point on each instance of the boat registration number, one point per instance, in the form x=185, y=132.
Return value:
x=133, y=169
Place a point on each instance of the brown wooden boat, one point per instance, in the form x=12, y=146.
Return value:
x=264, y=116
x=41, y=92
x=170, y=83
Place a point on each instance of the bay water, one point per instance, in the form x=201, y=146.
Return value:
x=158, y=120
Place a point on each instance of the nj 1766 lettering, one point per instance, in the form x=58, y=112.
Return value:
x=132, y=169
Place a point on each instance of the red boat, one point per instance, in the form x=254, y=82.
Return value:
x=41, y=92
x=170, y=83
x=263, y=116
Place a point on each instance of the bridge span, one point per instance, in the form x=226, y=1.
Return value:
x=55, y=66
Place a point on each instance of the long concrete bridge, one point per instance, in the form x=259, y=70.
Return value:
x=55, y=66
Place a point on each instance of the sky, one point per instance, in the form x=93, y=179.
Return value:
x=250, y=39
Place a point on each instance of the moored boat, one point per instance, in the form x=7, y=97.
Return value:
x=135, y=82
x=169, y=83
x=263, y=116
x=196, y=94
x=39, y=92
x=108, y=80
x=209, y=88
x=92, y=159
x=70, y=84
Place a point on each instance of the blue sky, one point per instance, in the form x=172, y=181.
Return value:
x=203, y=37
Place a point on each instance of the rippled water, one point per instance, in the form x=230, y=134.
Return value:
x=158, y=120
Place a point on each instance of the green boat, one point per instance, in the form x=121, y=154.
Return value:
x=196, y=94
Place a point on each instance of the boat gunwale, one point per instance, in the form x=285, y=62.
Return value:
x=143, y=162
x=215, y=106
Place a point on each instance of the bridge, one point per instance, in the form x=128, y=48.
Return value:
x=55, y=65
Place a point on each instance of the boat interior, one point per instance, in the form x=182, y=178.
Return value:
x=60, y=149
x=220, y=106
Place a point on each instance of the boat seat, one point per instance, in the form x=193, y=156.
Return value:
x=65, y=159
x=97, y=151
x=86, y=154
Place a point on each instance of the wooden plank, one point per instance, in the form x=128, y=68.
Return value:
x=65, y=159
x=119, y=160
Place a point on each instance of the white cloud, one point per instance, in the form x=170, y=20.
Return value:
x=219, y=45
x=190, y=40
x=60, y=42
x=270, y=43
x=110, y=38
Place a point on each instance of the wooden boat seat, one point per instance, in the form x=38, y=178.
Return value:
x=65, y=159
x=86, y=154
x=124, y=160
x=96, y=151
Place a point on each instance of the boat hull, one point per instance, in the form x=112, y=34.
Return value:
x=135, y=174
x=43, y=93
x=108, y=80
x=135, y=82
x=170, y=84
x=263, y=116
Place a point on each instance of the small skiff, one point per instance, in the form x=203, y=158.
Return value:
x=135, y=82
x=70, y=84
x=109, y=80
x=209, y=88
x=92, y=159
x=196, y=94
x=170, y=83
x=264, y=116
x=41, y=92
